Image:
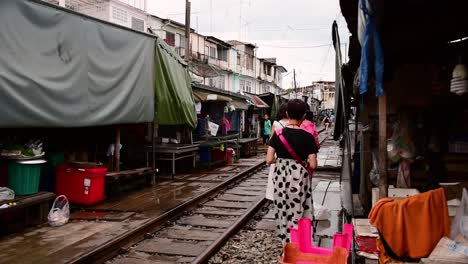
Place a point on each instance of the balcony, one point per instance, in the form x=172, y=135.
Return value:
x=180, y=51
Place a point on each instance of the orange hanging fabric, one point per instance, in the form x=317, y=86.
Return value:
x=411, y=227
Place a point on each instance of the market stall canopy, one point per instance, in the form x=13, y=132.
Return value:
x=58, y=69
x=205, y=97
x=174, y=104
x=240, y=104
x=257, y=102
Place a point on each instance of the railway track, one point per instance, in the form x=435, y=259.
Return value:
x=193, y=231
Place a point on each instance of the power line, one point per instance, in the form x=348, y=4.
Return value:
x=325, y=60
x=295, y=47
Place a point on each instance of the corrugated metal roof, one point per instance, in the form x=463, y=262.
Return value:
x=259, y=103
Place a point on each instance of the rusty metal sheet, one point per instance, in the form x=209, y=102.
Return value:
x=220, y=212
x=199, y=220
x=191, y=234
x=172, y=247
x=224, y=204
x=242, y=192
x=237, y=198
x=103, y=216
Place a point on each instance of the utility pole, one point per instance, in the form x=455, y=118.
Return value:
x=187, y=30
x=295, y=86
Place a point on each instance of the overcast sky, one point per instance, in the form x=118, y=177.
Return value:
x=281, y=29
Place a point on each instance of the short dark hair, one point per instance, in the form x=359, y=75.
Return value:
x=296, y=109
x=282, y=111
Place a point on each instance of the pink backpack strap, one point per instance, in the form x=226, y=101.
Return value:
x=279, y=132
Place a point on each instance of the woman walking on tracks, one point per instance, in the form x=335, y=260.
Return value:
x=296, y=152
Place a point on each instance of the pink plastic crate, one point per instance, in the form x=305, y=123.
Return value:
x=303, y=237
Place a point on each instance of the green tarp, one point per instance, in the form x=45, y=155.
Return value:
x=59, y=69
x=174, y=104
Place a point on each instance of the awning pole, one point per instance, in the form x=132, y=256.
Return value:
x=153, y=153
x=117, y=149
x=383, y=182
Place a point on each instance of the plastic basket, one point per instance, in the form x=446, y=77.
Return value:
x=24, y=176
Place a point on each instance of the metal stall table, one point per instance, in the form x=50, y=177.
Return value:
x=249, y=146
x=211, y=143
x=175, y=152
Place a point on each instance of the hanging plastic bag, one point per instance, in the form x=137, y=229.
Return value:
x=404, y=174
x=6, y=194
x=321, y=212
x=460, y=222
x=374, y=173
x=60, y=212
x=213, y=127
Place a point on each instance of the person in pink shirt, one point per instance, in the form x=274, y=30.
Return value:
x=310, y=127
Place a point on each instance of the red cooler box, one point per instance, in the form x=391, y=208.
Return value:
x=80, y=185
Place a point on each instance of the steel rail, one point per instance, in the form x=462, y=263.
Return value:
x=232, y=230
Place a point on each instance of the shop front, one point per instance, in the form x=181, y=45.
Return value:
x=219, y=124
x=82, y=126
x=407, y=75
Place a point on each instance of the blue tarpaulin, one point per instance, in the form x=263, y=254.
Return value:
x=371, y=35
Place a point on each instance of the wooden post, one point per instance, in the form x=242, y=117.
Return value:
x=117, y=150
x=153, y=153
x=365, y=189
x=383, y=183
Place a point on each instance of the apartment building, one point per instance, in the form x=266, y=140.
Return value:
x=172, y=32
x=131, y=14
x=323, y=91
x=229, y=65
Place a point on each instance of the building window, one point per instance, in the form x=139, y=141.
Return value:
x=119, y=14
x=249, y=62
x=213, y=52
x=182, y=41
x=220, y=82
x=267, y=70
x=246, y=86
x=222, y=53
x=138, y=24
x=266, y=88
x=217, y=82
x=170, y=39
x=238, y=58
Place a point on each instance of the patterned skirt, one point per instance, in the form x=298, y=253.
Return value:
x=292, y=196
